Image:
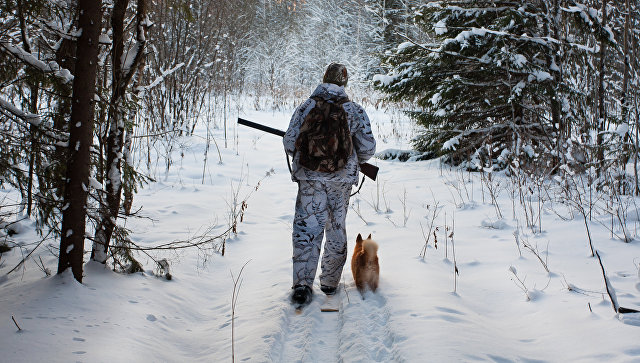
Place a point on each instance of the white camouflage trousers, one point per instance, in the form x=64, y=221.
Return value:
x=321, y=207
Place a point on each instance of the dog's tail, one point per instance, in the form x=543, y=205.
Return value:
x=370, y=247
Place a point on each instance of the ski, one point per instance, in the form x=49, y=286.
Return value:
x=330, y=304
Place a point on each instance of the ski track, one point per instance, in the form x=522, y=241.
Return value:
x=359, y=332
x=366, y=331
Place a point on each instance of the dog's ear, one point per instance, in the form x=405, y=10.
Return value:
x=359, y=238
x=369, y=236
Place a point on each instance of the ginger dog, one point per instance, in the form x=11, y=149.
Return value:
x=364, y=264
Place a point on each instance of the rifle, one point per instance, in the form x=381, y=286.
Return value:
x=371, y=171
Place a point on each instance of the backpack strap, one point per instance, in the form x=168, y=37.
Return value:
x=343, y=100
x=339, y=101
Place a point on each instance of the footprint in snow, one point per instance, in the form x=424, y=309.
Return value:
x=151, y=317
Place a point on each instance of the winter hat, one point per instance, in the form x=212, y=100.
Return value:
x=336, y=73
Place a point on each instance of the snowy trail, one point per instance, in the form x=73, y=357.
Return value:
x=310, y=335
x=367, y=332
x=359, y=332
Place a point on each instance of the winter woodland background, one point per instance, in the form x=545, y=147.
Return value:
x=98, y=97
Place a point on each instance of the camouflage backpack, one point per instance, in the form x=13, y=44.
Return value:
x=324, y=143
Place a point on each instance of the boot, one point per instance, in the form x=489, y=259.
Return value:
x=302, y=295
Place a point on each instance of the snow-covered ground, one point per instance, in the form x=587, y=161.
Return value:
x=420, y=313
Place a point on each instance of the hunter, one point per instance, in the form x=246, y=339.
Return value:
x=326, y=156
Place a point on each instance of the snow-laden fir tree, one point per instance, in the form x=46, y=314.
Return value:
x=489, y=88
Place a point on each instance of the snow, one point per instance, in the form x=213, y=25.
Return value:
x=440, y=27
x=528, y=149
x=451, y=143
x=104, y=39
x=29, y=117
x=161, y=77
x=417, y=314
x=383, y=79
x=494, y=224
x=540, y=76
x=622, y=129
x=129, y=57
x=519, y=60
x=517, y=89
x=402, y=46
x=435, y=98
x=51, y=67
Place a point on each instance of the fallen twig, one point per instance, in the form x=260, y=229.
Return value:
x=15, y=322
x=611, y=292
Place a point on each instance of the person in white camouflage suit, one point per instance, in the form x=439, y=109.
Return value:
x=323, y=198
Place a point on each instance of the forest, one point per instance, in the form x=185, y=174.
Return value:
x=136, y=213
x=96, y=95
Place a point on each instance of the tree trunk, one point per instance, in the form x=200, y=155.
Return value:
x=633, y=63
x=625, y=75
x=33, y=131
x=624, y=112
x=601, y=115
x=80, y=139
x=128, y=185
x=33, y=108
x=115, y=139
x=552, y=28
x=65, y=56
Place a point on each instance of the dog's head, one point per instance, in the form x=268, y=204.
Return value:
x=359, y=238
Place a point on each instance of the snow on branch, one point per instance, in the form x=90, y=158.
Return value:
x=161, y=77
x=62, y=30
x=587, y=13
x=592, y=18
x=29, y=117
x=28, y=58
x=7, y=108
x=463, y=38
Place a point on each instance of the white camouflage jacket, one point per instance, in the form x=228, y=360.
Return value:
x=363, y=142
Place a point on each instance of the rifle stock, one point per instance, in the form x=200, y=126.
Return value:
x=371, y=171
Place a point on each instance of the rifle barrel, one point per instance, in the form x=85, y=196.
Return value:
x=264, y=128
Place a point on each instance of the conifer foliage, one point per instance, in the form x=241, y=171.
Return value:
x=480, y=87
x=500, y=79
